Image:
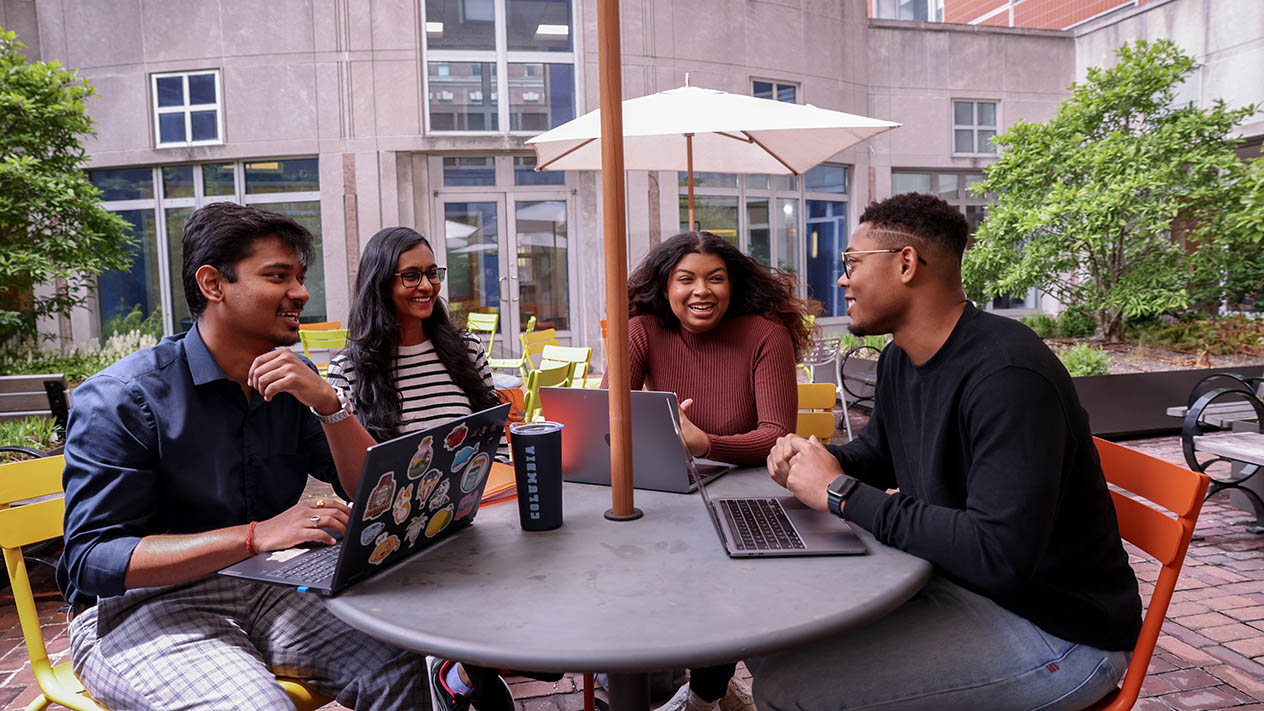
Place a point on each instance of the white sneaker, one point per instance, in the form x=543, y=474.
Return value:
x=737, y=697
x=686, y=700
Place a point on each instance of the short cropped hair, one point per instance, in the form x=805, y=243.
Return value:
x=223, y=233
x=939, y=227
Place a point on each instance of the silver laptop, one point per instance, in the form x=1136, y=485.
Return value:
x=659, y=460
x=765, y=526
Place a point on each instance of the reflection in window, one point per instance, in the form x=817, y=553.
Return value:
x=716, y=214
x=472, y=240
x=525, y=173
x=542, y=280
x=463, y=99
x=181, y=320
x=123, y=183
x=136, y=289
x=787, y=219
x=217, y=179
x=541, y=96
x=780, y=91
x=307, y=214
x=826, y=179
x=708, y=180
x=910, y=183
x=539, y=25
x=461, y=171
x=759, y=230
x=282, y=176
x=460, y=24
x=825, y=240
x=177, y=181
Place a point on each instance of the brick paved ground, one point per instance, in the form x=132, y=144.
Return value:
x=1209, y=657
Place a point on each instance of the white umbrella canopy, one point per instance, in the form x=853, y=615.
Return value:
x=730, y=133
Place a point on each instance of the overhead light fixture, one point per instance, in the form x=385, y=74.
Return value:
x=553, y=30
x=434, y=28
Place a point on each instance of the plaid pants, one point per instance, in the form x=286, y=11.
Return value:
x=218, y=643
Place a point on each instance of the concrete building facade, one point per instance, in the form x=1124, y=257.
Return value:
x=353, y=116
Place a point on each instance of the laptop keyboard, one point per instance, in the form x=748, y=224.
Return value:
x=760, y=524
x=315, y=567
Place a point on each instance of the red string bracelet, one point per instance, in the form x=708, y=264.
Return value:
x=250, y=540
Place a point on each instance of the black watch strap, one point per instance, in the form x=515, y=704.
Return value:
x=839, y=490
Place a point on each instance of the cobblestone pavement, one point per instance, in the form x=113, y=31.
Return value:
x=1209, y=657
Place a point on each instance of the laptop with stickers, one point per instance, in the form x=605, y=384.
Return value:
x=414, y=490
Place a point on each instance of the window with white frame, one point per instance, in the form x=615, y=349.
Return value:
x=922, y=10
x=779, y=90
x=973, y=126
x=188, y=109
x=480, y=51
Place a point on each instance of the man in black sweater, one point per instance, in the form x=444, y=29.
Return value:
x=1032, y=604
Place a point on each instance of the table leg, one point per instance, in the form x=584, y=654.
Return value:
x=629, y=692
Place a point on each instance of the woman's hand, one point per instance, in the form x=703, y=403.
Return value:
x=696, y=441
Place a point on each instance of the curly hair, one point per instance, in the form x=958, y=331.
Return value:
x=373, y=338
x=937, y=225
x=756, y=289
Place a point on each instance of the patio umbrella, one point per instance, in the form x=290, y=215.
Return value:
x=693, y=129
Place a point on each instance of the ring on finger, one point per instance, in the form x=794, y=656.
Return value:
x=315, y=520
x=320, y=503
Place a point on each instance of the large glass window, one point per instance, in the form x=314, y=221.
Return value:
x=187, y=109
x=157, y=201
x=473, y=60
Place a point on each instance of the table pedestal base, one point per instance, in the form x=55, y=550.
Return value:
x=629, y=692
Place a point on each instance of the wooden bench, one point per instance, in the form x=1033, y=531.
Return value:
x=34, y=396
x=1244, y=450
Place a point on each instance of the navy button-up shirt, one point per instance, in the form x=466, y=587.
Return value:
x=163, y=442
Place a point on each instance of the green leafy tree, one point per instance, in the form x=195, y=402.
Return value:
x=53, y=229
x=1232, y=271
x=1087, y=200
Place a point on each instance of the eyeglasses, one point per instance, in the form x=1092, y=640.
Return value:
x=412, y=277
x=849, y=263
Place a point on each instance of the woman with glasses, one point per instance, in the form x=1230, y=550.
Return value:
x=406, y=367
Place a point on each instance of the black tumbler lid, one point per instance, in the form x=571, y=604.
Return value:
x=534, y=428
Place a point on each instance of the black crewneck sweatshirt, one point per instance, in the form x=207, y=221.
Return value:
x=1000, y=486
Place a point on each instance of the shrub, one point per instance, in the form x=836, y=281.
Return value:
x=1083, y=359
x=1042, y=323
x=78, y=365
x=36, y=432
x=1076, y=322
x=1227, y=336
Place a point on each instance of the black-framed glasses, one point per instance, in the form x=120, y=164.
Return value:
x=849, y=263
x=412, y=277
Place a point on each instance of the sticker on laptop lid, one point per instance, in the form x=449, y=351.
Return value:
x=381, y=496
x=440, y=496
x=475, y=472
x=467, y=506
x=456, y=437
x=403, y=504
x=421, y=460
x=370, y=532
x=427, y=485
x=415, y=527
x=386, y=545
x=439, y=521
x=461, y=458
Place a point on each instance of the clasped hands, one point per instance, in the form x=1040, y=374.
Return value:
x=804, y=467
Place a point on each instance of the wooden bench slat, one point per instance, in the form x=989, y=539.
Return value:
x=1241, y=446
x=27, y=383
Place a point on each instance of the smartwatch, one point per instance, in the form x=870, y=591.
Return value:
x=338, y=415
x=839, y=490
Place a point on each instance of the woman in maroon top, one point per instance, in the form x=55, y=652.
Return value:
x=723, y=332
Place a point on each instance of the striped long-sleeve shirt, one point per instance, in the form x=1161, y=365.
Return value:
x=740, y=376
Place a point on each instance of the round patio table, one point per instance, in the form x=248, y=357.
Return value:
x=621, y=597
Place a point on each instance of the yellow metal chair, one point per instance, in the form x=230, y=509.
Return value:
x=816, y=411
x=544, y=377
x=320, y=326
x=533, y=343
x=478, y=323
x=553, y=356
x=331, y=340
x=36, y=483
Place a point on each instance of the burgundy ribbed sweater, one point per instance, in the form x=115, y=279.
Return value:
x=740, y=375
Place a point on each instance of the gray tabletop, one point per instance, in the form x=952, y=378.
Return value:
x=600, y=596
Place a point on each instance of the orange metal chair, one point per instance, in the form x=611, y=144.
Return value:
x=320, y=326
x=35, y=486
x=1158, y=533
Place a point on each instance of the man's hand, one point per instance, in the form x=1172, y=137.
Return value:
x=804, y=467
x=302, y=523
x=696, y=441
x=281, y=371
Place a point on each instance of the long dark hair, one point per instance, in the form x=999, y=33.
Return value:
x=757, y=289
x=373, y=338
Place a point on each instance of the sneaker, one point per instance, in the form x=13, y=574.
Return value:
x=686, y=700
x=443, y=698
x=737, y=697
x=490, y=690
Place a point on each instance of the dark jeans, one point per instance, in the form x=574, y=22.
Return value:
x=711, y=683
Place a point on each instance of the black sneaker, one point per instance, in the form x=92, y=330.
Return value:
x=491, y=691
x=443, y=698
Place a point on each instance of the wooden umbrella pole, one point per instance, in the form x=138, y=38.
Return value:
x=609, y=64
x=689, y=166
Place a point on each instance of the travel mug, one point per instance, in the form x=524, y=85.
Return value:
x=537, y=455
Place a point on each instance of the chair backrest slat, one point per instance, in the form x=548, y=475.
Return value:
x=31, y=523
x=1150, y=530
x=534, y=342
x=30, y=479
x=816, y=396
x=1168, y=485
